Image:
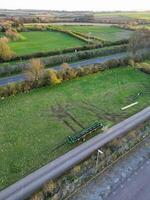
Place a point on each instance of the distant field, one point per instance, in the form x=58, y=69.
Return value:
x=31, y=124
x=43, y=41
x=104, y=32
x=135, y=15
x=138, y=15
x=143, y=26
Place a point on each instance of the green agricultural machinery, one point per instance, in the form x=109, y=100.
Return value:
x=81, y=135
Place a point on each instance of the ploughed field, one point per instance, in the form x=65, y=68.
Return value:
x=32, y=124
x=108, y=33
x=42, y=41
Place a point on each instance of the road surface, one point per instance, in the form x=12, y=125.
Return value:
x=128, y=179
x=20, y=77
x=137, y=187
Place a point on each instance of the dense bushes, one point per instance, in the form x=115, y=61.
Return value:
x=139, y=41
x=34, y=72
x=51, y=77
x=144, y=67
x=5, y=52
x=13, y=35
x=59, y=59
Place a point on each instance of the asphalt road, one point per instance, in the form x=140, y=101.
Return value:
x=20, y=77
x=128, y=179
x=137, y=187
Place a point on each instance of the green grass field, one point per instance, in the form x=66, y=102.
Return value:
x=135, y=15
x=32, y=123
x=37, y=41
x=103, y=32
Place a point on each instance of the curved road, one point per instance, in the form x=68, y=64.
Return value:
x=20, y=77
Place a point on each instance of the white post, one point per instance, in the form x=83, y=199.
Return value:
x=97, y=159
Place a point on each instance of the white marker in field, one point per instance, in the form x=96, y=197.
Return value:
x=97, y=159
x=126, y=107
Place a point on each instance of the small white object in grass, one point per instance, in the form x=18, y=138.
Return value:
x=99, y=151
x=126, y=107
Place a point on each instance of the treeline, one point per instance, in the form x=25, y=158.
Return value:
x=61, y=58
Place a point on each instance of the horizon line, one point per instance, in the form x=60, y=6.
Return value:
x=34, y=9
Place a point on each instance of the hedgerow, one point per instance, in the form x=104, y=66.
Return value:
x=52, y=77
x=59, y=59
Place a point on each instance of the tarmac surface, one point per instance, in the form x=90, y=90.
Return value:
x=128, y=179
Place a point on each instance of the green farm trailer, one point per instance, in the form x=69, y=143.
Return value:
x=81, y=135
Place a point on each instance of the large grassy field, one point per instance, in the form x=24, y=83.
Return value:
x=32, y=124
x=43, y=41
x=104, y=32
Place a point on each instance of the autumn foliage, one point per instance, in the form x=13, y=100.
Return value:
x=5, y=51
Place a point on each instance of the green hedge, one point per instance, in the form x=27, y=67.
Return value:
x=15, y=88
x=59, y=59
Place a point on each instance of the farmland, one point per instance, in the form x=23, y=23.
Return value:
x=36, y=41
x=108, y=33
x=31, y=123
x=59, y=73
x=134, y=15
x=137, y=15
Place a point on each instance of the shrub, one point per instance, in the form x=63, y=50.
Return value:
x=5, y=52
x=67, y=72
x=144, y=67
x=13, y=35
x=131, y=62
x=34, y=73
x=139, y=41
x=53, y=77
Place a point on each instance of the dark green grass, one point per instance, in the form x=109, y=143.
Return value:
x=38, y=41
x=28, y=129
x=104, y=32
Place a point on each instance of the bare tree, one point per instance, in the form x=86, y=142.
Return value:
x=35, y=72
x=139, y=42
